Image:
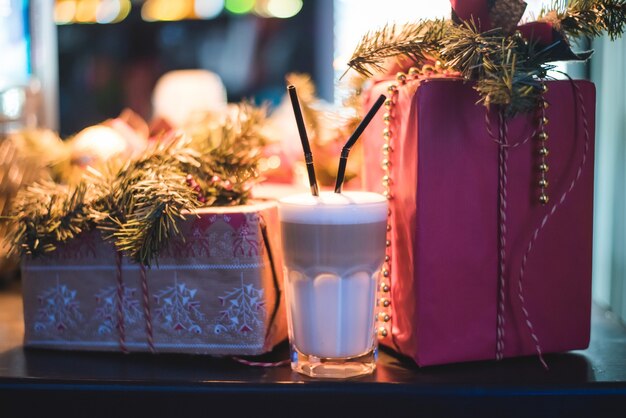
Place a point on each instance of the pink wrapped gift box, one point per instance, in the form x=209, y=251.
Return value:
x=217, y=292
x=448, y=300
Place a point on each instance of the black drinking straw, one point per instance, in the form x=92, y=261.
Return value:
x=341, y=172
x=308, y=155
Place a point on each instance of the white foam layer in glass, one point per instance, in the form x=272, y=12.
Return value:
x=350, y=207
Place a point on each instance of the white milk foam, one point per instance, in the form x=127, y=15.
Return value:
x=350, y=207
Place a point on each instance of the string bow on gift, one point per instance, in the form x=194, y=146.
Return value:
x=506, y=15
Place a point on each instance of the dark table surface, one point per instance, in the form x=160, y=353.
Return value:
x=34, y=382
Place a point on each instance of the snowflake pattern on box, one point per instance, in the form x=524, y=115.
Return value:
x=177, y=308
x=221, y=245
x=246, y=242
x=195, y=245
x=107, y=311
x=198, y=244
x=244, y=310
x=58, y=308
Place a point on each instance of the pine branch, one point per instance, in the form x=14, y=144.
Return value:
x=506, y=68
x=470, y=52
x=516, y=90
x=417, y=41
x=22, y=162
x=47, y=214
x=230, y=152
x=141, y=203
x=137, y=204
x=160, y=201
x=587, y=18
x=115, y=184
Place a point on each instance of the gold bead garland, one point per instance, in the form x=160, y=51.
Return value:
x=543, y=153
x=383, y=317
x=383, y=303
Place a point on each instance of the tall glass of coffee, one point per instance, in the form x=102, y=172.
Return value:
x=334, y=247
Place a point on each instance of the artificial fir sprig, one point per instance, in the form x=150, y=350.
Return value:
x=116, y=183
x=473, y=53
x=417, y=41
x=229, y=155
x=587, y=18
x=48, y=214
x=141, y=203
x=508, y=69
x=138, y=204
x=25, y=157
x=161, y=199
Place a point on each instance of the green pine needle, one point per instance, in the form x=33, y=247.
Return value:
x=229, y=155
x=587, y=18
x=507, y=69
x=138, y=204
x=48, y=214
x=141, y=204
x=417, y=41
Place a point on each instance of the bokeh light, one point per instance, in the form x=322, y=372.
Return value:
x=260, y=8
x=64, y=12
x=166, y=10
x=107, y=11
x=273, y=162
x=239, y=6
x=115, y=11
x=112, y=11
x=86, y=11
x=208, y=9
x=284, y=9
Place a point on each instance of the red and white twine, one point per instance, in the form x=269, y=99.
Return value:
x=532, y=241
x=121, y=329
x=502, y=227
x=503, y=155
x=495, y=139
x=148, y=316
x=146, y=308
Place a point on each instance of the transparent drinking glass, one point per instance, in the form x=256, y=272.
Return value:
x=334, y=247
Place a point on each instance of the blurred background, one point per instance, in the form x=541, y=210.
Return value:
x=69, y=64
